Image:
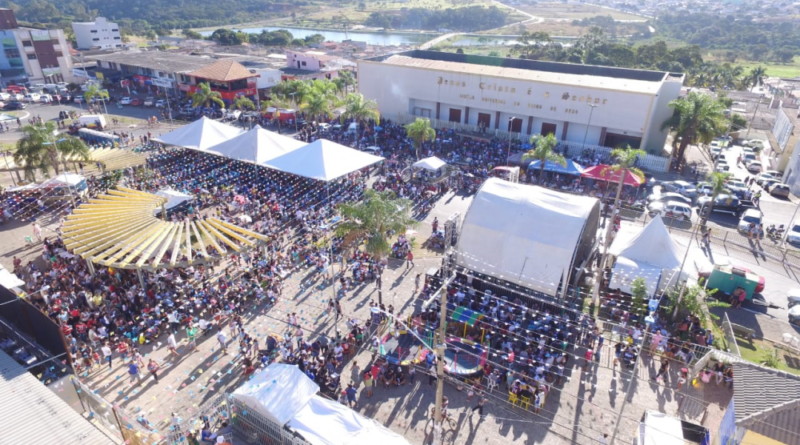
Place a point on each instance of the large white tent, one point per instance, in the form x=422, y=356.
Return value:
x=649, y=254
x=287, y=397
x=257, y=146
x=432, y=163
x=323, y=160
x=200, y=135
x=174, y=198
x=524, y=234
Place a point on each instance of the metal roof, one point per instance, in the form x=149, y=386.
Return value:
x=169, y=62
x=601, y=79
x=119, y=230
x=32, y=413
x=767, y=402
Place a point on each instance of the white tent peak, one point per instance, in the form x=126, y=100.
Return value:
x=432, y=163
x=652, y=245
x=200, y=135
x=266, y=393
x=256, y=145
x=323, y=160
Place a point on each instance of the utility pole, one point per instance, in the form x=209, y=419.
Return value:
x=750, y=125
x=628, y=394
x=680, y=271
x=588, y=123
x=440, y=347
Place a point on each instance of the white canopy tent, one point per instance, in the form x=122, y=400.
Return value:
x=174, y=198
x=286, y=396
x=64, y=180
x=257, y=146
x=649, y=254
x=432, y=164
x=200, y=135
x=523, y=234
x=278, y=392
x=323, y=160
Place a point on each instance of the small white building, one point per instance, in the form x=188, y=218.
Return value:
x=100, y=34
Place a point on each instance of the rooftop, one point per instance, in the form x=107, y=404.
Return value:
x=157, y=60
x=599, y=77
x=767, y=402
x=33, y=413
x=225, y=70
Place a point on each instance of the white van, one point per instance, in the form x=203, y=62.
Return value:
x=91, y=120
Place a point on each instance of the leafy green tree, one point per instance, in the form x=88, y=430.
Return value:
x=359, y=109
x=205, y=96
x=39, y=149
x=543, y=150
x=317, y=103
x=718, y=182
x=371, y=219
x=242, y=103
x=95, y=92
x=420, y=131
x=639, y=298
x=697, y=118
x=757, y=76
x=190, y=34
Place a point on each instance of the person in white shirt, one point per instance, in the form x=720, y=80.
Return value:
x=222, y=339
x=172, y=343
x=106, y=350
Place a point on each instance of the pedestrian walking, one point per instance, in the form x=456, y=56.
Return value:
x=37, y=231
x=172, y=344
x=191, y=334
x=479, y=405
x=107, y=353
x=412, y=372
x=409, y=259
x=122, y=348
x=683, y=376
x=351, y=395
x=222, y=339
x=152, y=368
x=417, y=281
x=133, y=371
x=369, y=382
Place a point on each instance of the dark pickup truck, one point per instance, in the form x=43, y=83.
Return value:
x=724, y=204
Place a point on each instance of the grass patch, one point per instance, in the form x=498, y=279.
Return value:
x=790, y=362
x=790, y=70
x=572, y=11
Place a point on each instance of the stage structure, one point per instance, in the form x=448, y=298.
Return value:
x=120, y=230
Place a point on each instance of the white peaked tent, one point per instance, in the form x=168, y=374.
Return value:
x=278, y=392
x=524, y=234
x=323, y=160
x=200, y=135
x=433, y=163
x=174, y=198
x=652, y=245
x=649, y=254
x=257, y=146
x=287, y=397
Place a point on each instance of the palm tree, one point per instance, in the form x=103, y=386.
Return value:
x=359, y=109
x=72, y=149
x=420, y=131
x=340, y=84
x=315, y=104
x=626, y=161
x=697, y=118
x=39, y=150
x=372, y=219
x=718, y=185
x=242, y=103
x=757, y=76
x=204, y=96
x=349, y=79
x=543, y=151
x=92, y=92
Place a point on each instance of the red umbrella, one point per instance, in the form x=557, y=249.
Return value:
x=605, y=173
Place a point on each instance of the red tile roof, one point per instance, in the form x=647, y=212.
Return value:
x=223, y=71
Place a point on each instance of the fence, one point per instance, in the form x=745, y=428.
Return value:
x=730, y=338
x=217, y=410
x=114, y=419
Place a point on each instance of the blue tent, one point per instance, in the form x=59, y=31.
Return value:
x=571, y=168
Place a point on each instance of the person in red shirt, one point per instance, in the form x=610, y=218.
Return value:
x=66, y=329
x=122, y=348
x=80, y=329
x=410, y=260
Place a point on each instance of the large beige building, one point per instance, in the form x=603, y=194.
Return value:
x=608, y=107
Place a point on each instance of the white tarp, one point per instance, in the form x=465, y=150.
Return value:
x=626, y=270
x=323, y=160
x=523, y=234
x=174, y=198
x=278, y=392
x=660, y=429
x=652, y=245
x=325, y=422
x=64, y=179
x=433, y=163
x=257, y=146
x=200, y=135
x=9, y=280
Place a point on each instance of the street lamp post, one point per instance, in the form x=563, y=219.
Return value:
x=295, y=111
x=588, y=123
x=508, y=158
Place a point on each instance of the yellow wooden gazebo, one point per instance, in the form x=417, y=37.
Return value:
x=120, y=230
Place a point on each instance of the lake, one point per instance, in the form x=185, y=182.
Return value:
x=372, y=38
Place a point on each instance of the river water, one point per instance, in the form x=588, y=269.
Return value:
x=372, y=38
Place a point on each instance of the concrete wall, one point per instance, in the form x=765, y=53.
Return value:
x=394, y=87
x=98, y=34
x=654, y=139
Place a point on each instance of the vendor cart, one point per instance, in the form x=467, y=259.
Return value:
x=727, y=279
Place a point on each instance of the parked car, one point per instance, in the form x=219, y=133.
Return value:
x=668, y=196
x=684, y=188
x=754, y=143
x=33, y=97
x=705, y=188
x=767, y=183
x=736, y=186
x=161, y=103
x=14, y=106
x=749, y=218
x=125, y=101
x=793, y=234
x=793, y=298
x=775, y=173
x=747, y=158
x=780, y=190
x=754, y=167
x=5, y=96
x=794, y=315
x=135, y=102
x=761, y=177
x=670, y=209
x=46, y=98
x=149, y=101
x=723, y=203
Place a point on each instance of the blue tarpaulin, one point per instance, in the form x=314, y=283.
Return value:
x=570, y=168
